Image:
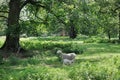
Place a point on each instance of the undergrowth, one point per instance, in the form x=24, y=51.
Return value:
x=94, y=61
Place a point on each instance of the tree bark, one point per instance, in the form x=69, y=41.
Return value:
x=109, y=35
x=72, y=30
x=119, y=28
x=13, y=29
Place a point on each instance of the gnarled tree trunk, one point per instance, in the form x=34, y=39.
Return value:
x=13, y=28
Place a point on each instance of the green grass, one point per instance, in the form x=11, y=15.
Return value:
x=99, y=61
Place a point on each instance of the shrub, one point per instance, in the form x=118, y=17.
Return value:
x=76, y=48
x=43, y=45
x=54, y=46
x=96, y=39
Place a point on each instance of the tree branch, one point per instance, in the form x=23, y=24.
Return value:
x=24, y=3
x=3, y=16
x=60, y=20
x=44, y=21
x=36, y=3
x=33, y=2
x=116, y=9
x=4, y=12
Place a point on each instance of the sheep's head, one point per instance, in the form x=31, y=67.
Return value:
x=73, y=55
x=59, y=52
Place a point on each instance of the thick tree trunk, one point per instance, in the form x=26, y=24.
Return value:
x=119, y=28
x=109, y=36
x=72, y=31
x=13, y=30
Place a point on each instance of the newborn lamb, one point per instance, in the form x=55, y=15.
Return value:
x=66, y=61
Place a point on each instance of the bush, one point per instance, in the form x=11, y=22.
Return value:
x=76, y=48
x=44, y=45
x=95, y=39
x=54, y=46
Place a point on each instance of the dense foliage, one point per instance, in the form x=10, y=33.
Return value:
x=86, y=17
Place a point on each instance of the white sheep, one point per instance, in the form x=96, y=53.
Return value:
x=66, y=58
x=67, y=61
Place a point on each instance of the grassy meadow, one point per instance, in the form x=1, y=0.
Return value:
x=95, y=60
